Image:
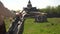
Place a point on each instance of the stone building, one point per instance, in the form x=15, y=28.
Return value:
x=30, y=10
x=34, y=12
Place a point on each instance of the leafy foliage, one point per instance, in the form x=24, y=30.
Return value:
x=52, y=11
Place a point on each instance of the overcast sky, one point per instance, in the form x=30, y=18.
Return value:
x=19, y=4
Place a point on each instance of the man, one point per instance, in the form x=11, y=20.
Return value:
x=4, y=12
x=19, y=16
x=2, y=25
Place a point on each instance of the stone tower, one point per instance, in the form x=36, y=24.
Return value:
x=29, y=6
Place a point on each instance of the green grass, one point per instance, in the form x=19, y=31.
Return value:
x=7, y=24
x=31, y=27
x=50, y=27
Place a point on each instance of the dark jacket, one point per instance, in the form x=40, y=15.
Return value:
x=2, y=28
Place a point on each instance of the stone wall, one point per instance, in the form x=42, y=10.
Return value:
x=41, y=17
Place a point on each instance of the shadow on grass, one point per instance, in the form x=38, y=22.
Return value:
x=42, y=22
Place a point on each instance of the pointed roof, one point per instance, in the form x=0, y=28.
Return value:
x=29, y=1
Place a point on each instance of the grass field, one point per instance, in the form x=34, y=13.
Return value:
x=7, y=24
x=50, y=27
